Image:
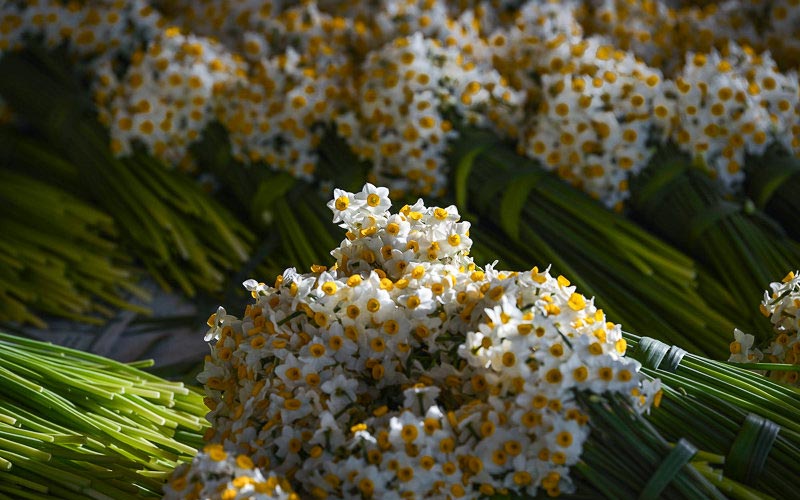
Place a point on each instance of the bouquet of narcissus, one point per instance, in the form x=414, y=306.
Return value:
x=406, y=370
x=782, y=355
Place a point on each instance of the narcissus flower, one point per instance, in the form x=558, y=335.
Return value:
x=456, y=379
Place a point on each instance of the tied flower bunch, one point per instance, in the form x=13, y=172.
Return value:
x=410, y=86
x=404, y=370
x=781, y=305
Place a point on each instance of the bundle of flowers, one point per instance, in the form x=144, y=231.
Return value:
x=408, y=370
x=779, y=357
x=746, y=424
x=401, y=123
x=405, y=368
x=662, y=32
x=614, y=126
x=78, y=426
x=527, y=215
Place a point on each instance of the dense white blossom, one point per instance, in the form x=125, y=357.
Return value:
x=405, y=368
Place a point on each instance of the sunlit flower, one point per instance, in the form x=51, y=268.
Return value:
x=454, y=376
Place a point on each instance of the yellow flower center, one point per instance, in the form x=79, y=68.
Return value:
x=342, y=203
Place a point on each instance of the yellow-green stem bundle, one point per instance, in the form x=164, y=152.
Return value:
x=75, y=425
x=58, y=255
x=162, y=217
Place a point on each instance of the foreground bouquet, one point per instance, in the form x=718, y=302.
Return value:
x=405, y=369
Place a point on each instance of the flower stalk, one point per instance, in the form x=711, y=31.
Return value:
x=76, y=426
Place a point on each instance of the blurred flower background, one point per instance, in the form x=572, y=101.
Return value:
x=156, y=155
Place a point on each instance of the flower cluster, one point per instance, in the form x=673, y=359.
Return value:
x=601, y=110
x=274, y=115
x=661, y=32
x=297, y=71
x=216, y=473
x=168, y=95
x=399, y=123
x=520, y=47
x=105, y=30
x=596, y=113
x=405, y=370
x=651, y=30
x=161, y=100
x=590, y=107
x=782, y=306
x=731, y=105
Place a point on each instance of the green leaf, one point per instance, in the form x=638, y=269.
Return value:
x=680, y=455
x=270, y=191
x=514, y=199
